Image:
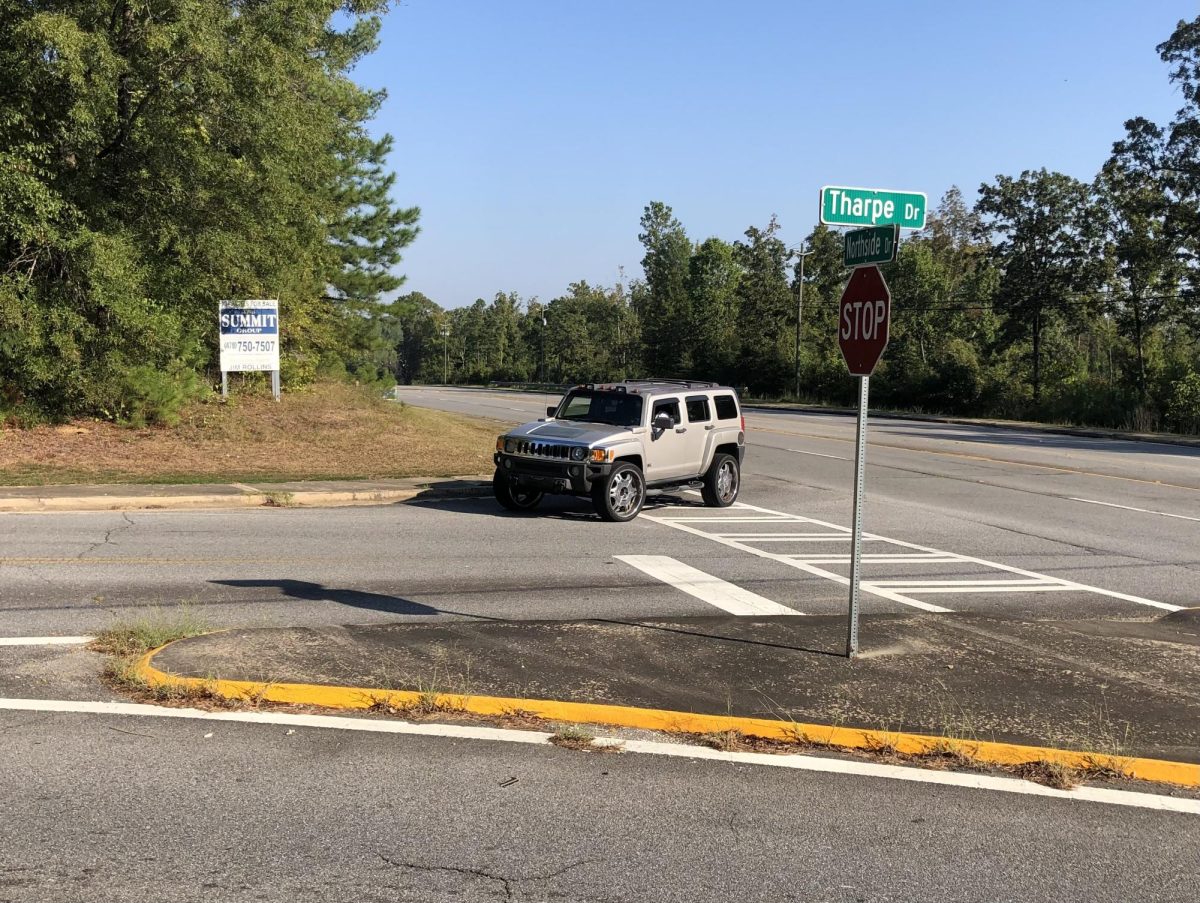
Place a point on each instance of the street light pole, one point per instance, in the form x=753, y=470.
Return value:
x=799, y=318
x=446, y=348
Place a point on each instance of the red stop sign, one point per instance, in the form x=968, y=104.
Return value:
x=863, y=318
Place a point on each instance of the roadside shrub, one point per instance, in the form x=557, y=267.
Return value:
x=149, y=396
x=1183, y=410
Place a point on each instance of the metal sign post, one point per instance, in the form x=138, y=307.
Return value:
x=860, y=468
x=864, y=322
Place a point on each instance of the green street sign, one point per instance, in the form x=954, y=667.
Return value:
x=870, y=246
x=872, y=207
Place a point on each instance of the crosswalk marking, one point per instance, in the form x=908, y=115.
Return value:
x=705, y=587
x=798, y=529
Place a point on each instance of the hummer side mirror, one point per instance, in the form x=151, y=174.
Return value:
x=550, y=410
x=661, y=423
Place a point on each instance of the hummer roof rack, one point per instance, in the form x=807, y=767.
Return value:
x=684, y=383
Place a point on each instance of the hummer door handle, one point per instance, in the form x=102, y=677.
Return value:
x=709, y=427
x=681, y=429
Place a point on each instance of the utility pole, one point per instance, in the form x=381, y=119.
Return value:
x=799, y=317
x=446, y=349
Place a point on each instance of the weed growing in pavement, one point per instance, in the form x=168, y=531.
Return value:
x=136, y=638
x=574, y=736
x=279, y=500
x=1052, y=774
x=126, y=642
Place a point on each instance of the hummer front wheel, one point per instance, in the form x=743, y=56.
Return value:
x=620, y=496
x=511, y=497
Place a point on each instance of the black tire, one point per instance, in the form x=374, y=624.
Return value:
x=620, y=496
x=512, y=498
x=722, y=481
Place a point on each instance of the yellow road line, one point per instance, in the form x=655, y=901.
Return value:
x=964, y=455
x=335, y=697
x=23, y=562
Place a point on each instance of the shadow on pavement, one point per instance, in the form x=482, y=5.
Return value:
x=554, y=507
x=315, y=592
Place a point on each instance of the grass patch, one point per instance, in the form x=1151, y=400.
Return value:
x=1052, y=774
x=127, y=642
x=327, y=431
x=136, y=638
x=573, y=736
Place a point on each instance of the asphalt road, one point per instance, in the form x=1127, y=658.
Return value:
x=986, y=501
x=98, y=808
x=106, y=807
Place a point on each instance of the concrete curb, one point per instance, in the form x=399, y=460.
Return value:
x=244, y=499
x=337, y=697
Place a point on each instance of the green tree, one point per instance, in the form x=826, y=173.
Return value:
x=1046, y=230
x=155, y=158
x=764, y=309
x=823, y=373
x=1145, y=270
x=713, y=277
x=665, y=307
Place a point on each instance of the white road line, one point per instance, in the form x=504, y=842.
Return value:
x=1130, y=508
x=796, y=451
x=916, y=584
x=44, y=640
x=798, y=762
x=799, y=565
x=705, y=587
x=1020, y=588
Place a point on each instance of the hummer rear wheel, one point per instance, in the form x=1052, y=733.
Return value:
x=722, y=481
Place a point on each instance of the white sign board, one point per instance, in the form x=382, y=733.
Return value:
x=249, y=335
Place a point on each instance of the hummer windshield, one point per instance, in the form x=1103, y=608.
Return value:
x=601, y=406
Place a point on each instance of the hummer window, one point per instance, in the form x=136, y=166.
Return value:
x=668, y=405
x=592, y=406
x=697, y=409
x=726, y=407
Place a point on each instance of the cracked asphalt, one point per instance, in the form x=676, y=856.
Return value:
x=117, y=809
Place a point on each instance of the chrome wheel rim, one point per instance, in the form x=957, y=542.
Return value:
x=726, y=482
x=624, y=493
x=524, y=499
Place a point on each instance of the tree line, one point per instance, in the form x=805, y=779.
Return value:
x=1047, y=297
x=157, y=157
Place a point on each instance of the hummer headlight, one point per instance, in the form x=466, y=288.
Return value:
x=578, y=454
x=510, y=445
x=601, y=455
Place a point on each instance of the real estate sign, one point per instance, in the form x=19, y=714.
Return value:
x=249, y=335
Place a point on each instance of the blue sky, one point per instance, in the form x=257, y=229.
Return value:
x=532, y=134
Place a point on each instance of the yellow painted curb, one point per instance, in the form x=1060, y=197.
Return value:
x=1158, y=770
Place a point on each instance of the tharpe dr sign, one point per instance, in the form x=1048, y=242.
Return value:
x=249, y=335
x=842, y=206
x=864, y=315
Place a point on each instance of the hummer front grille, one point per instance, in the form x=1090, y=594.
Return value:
x=543, y=450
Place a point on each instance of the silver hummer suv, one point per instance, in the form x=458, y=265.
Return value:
x=613, y=442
